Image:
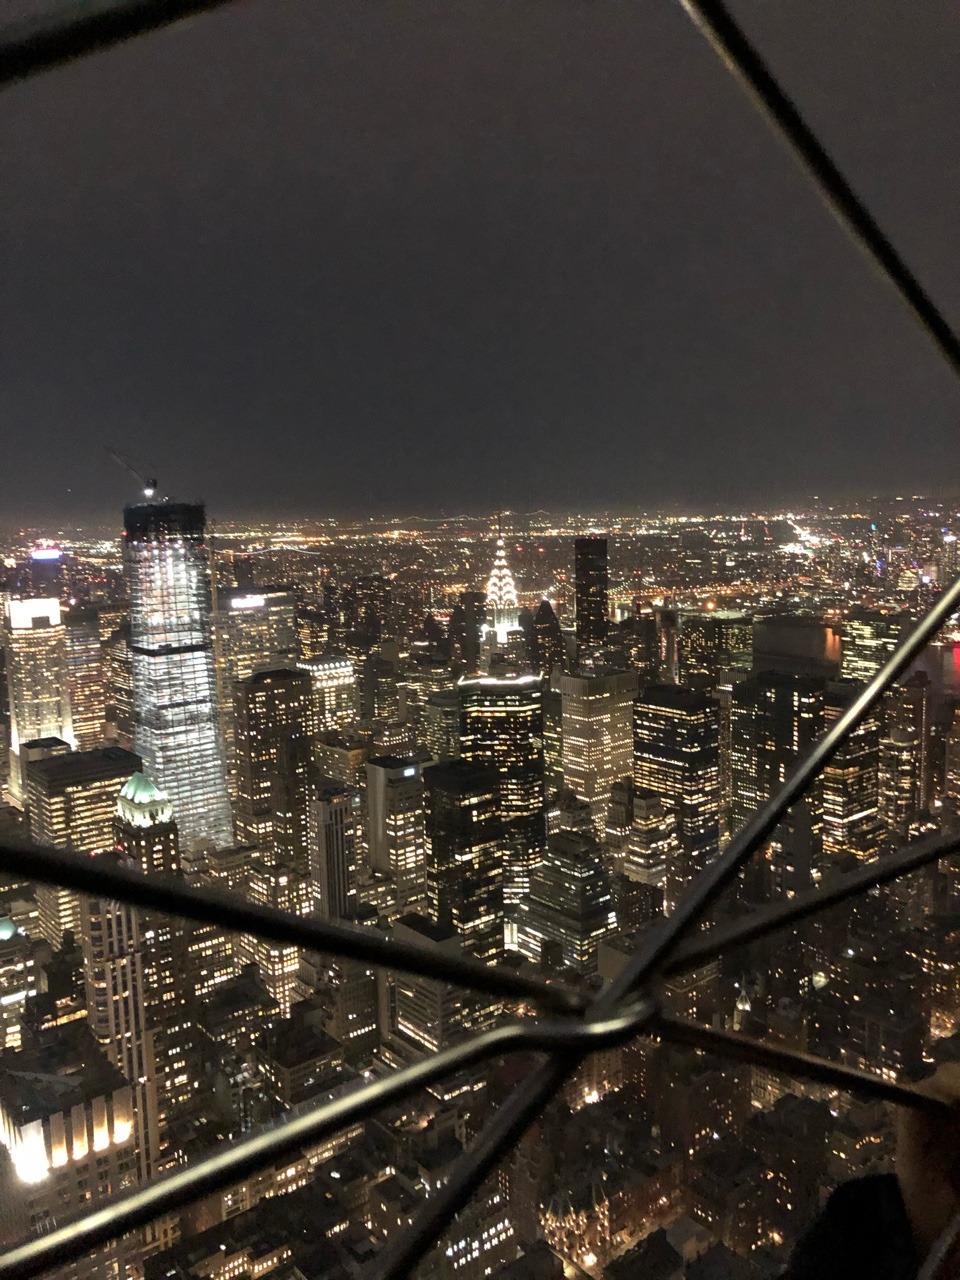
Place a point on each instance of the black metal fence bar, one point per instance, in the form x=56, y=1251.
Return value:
x=229, y=911
x=802, y=1066
x=758, y=924
x=943, y=1254
x=398, y=1257
x=75, y=30
x=714, y=19
x=126, y=1213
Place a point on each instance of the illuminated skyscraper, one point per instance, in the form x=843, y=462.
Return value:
x=899, y=781
x=283, y=887
x=592, y=581
x=677, y=755
x=774, y=719
x=72, y=800
x=547, y=644
x=147, y=838
x=46, y=569
x=274, y=711
x=714, y=646
x=850, y=781
x=395, y=834
x=503, y=608
x=71, y=1141
x=116, y=983
x=333, y=850
x=465, y=854
x=653, y=854
x=569, y=910
x=868, y=641
x=334, y=691
x=175, y=711
x=255, y=629
x=38, y=683
x=440, y=723
x=118, y=686
x=85, y=675
x=145, y=830
x=501, y=724
x=597, y=736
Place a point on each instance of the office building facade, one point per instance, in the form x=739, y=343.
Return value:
x=175, y=712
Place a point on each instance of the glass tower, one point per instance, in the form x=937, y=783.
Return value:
x=176, y=717
x=592, y=581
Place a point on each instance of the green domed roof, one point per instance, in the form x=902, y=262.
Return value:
x=142, y=803
x=140, y=790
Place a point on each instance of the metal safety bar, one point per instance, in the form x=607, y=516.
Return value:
x=804, y=1066
x=72, y=31
x=230, y=911
x=728, y=40
x=75, y=1239
x=605, y=1020
x=758, y=924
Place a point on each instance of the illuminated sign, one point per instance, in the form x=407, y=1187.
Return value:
x=46, y=553
x=248, y=602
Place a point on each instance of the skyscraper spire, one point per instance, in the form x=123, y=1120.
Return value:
x=501, y=589
x=503, y=607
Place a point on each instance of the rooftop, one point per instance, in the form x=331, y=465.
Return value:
x=80, y=767
x=63, y=1068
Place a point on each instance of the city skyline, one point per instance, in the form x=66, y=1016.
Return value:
x=480, y=792
x=511, y=741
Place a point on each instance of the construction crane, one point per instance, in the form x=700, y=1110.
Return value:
x=148, y=486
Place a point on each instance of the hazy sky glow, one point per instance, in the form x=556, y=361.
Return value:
x=452, y=254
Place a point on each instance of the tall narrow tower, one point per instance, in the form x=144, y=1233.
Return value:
x=592, y=587
x=37, y=679
x=501, y=724
x=175, y=713
x=503, y=607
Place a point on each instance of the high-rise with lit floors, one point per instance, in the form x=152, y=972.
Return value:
x=176, y=716
x=72, y=801
x=85, y=675
x=501, y=725
x=333, y=850
x=114, y=972
x=334, y=691
x=592, y=582
x=254, y=629
x=395, y=836
x=850, y=781
x=569, y=910
x=503, y=608
x=677, y=755
x=147, y=839
x=774, y=719
x=34, y=640
x=597, y=736
x=547, y=640
x=274, y=717
x=465, y=854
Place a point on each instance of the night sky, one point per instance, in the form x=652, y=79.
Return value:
x=334, y=256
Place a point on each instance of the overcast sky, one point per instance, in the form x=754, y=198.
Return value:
x=321, y=256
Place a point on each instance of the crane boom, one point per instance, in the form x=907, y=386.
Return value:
x=149, y=486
